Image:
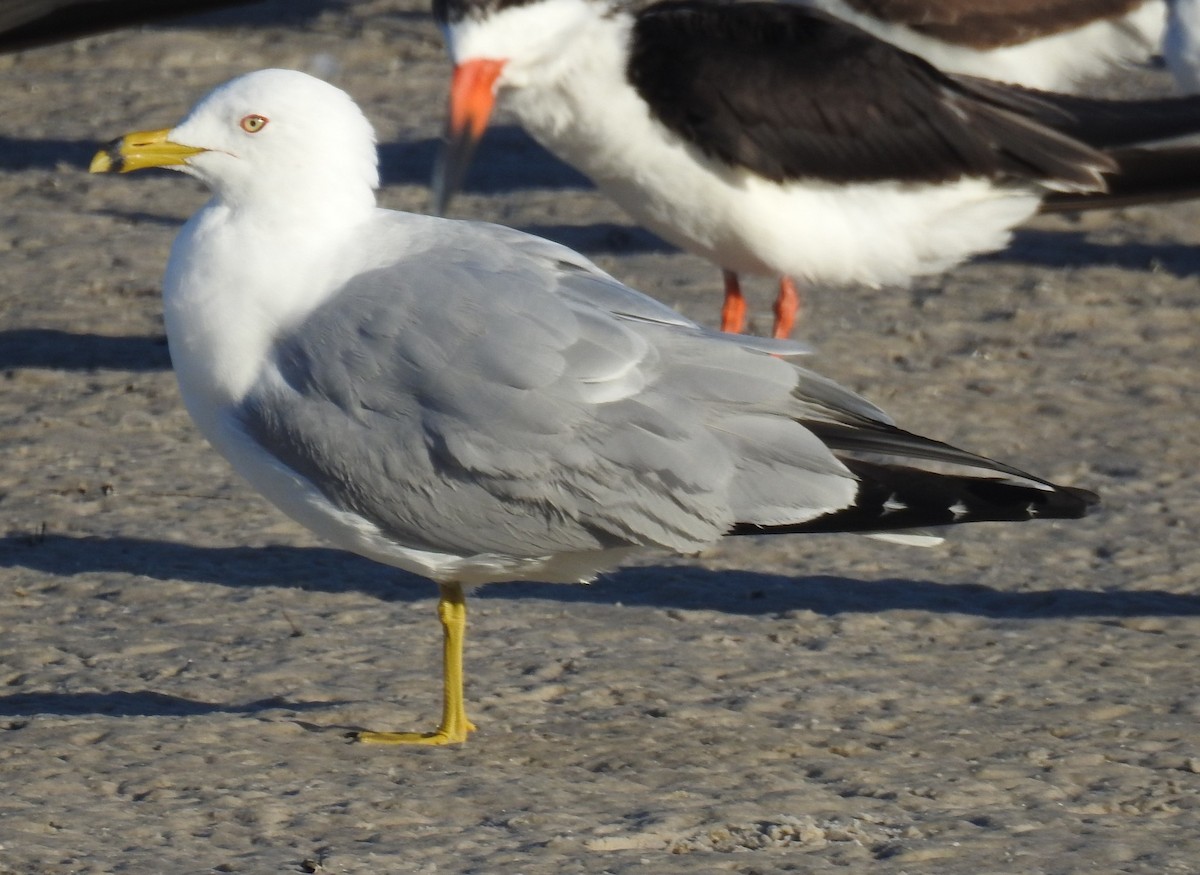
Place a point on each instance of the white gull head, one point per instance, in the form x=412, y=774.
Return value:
x=279, y=137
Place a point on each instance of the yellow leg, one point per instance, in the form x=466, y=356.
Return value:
x=452, y=611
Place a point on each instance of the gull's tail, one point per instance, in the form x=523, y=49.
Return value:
x=910, y=482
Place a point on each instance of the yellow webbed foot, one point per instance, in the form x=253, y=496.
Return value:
x=452, y=611
x=440, y=736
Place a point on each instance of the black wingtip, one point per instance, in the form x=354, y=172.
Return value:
x=896, y=498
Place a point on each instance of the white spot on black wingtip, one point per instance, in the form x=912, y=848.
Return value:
x=958, y=509
x=1032, y=511
x=893, y=505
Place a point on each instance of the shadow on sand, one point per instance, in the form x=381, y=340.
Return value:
x=688, y=587
x=67, y=351
x=679, y=587
x=139, y=703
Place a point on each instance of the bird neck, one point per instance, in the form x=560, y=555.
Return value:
x=570, y=95
x=236, y=279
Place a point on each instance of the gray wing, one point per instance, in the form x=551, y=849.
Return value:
x=495, y=393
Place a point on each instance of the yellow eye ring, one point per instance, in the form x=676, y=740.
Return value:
x=252, y=124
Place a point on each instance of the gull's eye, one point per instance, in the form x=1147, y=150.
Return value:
x=252, y=124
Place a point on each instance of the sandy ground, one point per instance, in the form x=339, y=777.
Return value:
x=179, y=663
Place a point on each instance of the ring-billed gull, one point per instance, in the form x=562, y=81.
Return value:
x=475, y=404
x=775, y=140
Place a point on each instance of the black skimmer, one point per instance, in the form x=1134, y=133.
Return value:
x=476, y=405
x=1050, y=45
x=28, y=23
x=777, y=140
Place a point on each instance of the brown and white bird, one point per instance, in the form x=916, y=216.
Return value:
x=1051, y=45
x=776, y=140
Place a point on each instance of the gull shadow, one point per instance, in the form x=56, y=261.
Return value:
x=408, y=163
x=603, y=237
x=64, y=350
x=517, y=163
x=507, y=160
x=756, y=593
x=1058, y=249
x=139, y=703
x=320, y=569
x=141, y=217
x=20, y=153
x=672, y=586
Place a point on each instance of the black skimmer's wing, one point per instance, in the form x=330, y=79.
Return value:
x=789, y=94
x=28, y=23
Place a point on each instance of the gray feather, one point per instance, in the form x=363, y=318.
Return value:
x=514, y=401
